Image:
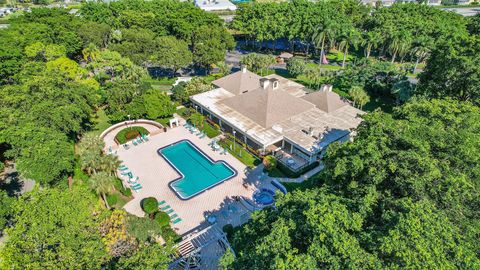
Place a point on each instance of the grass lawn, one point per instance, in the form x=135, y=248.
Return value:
x=337, y=56
x=240, y=153
x=309, y=183
x=212, y=77
x=276, y=173
x=327, y=66
x=209, y=130
x=163, y=83
x=100, y=121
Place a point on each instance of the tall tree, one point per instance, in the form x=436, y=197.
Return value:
x=359, y=96
x=453, y=70
x=351, y=37
x=54, y=229
x=172, y=53
x=102, y=183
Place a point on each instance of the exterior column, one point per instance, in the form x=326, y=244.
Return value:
x=291, y=148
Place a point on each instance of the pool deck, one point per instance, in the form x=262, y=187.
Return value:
x=155, y=174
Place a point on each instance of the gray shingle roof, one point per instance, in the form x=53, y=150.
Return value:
x=267, y=107
x=326, y=100
x=239, y=82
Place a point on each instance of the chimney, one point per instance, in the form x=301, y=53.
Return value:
x=326, y=88
x=244, y=69
x=264, y=83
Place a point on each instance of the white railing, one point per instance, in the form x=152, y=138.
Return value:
x=132, y=123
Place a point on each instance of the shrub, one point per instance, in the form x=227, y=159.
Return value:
x=228, y=229
x=129, y=133
x=149, y=205
x=142, y=229
x=270, y=162
x=296, y=66
x=2, y=167
x=162, y=218
x=112, y=199
x=170, y=235
x=125, y=191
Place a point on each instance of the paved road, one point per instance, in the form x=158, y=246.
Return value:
x=470, y=11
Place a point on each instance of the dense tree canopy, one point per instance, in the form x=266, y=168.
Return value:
x=402, y=195
x=142, y=27
x=398, y=31
x=454, y=70
x=53, y=229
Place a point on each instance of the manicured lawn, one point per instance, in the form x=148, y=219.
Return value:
x=328, y=66
x=209, y=130
x=240, y=153
x=163, y=84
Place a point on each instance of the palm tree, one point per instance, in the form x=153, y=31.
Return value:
x=421, y=52
x=90, y=149
x=371, y=41
x=102, y=183
x=350, y=37
x=359, y=96
x=109, y=164
x=324, y=31
x=399, y=44
x=90, y=53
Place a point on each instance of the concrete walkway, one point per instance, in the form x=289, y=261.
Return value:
x=258, y=173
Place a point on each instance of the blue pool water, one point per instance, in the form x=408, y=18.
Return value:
x=198, y=171
x=264, y=196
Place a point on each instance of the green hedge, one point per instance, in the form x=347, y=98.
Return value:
x=130, y=133
x=291, y=174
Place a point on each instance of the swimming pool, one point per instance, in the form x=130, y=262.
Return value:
x=198, y=172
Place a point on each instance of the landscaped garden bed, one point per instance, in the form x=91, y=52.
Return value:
x=130, y=133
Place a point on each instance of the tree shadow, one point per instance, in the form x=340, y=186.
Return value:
x=12, y=183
